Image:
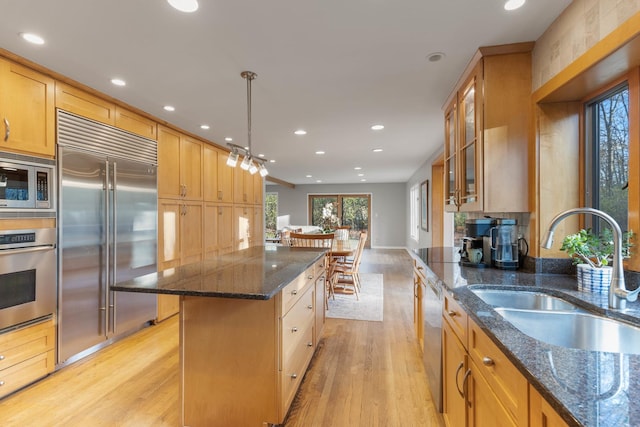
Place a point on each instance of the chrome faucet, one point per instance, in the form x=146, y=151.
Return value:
x=618, y=293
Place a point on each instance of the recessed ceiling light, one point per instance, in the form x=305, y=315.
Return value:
x=360, y=174
x=357, y=168
x=318, y=180
x=205, y=127
x=377, y=150
x=118, y=82
x=300, y=132
x=32, y=38
x=169, y=108
x=435, y=56
x=260, y=155
x=319, y=153
x=272, y=161
x=228, y=139
x=363, y=180
x=184, y=5
x=377, y=127
x=309, y=176
x=513, y=4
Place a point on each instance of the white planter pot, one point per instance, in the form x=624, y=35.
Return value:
x=596, y=280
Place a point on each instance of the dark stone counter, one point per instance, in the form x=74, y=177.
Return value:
x=254, y=273
x=587, y=388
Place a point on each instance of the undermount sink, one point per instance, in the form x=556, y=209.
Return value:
x=575, y=329
x=526, y=300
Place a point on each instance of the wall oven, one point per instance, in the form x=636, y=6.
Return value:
x=28, y=288
x=26, y=184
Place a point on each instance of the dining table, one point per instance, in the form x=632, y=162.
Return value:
x=344, y=248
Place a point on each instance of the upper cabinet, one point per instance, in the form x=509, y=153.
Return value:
x=84, y=104
x=487, y=132
x=27, y=110
x=179, y=166
x=218, y=177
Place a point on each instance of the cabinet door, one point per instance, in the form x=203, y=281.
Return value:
x=541, y=414
x=209, y=173
x=225, y=179
x=239, y=176
x=256, y=237
x=84, y=104
x=225, y=229
x=27, y=110
x=242, y=219
x=169, y=213
x=454, y=377
x=258, y=189
x=470, y=140
x=485, y=409
x=191, y=225
x=191, y=168
x=210, y=230
x=169, y=185
x=135, y=123
x=450, y=156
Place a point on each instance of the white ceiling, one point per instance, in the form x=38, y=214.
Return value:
x=331, y=67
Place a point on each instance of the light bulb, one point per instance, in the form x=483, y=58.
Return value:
x=232, y=160
x=246, y=162
x=253, y=168
x=263, y=171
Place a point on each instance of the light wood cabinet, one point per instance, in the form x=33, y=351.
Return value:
x=245, y=359
x=180, y=241
x=27, y=110
x=26, y=355
x=225, y=179
x=481, y=387
x=541, y=414
x=218, y=177
x=242, y=186
x=179, y=166
x=419, y=283
x=135, y=123
x=487, y=131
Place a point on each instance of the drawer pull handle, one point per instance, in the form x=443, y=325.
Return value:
x=294, y=329
x=309, y=344
x=309, y=277
x=294, y=376
x=460, y=392
x=452, y=313
x=310, y=307
x=7, y=129
x=1, y=383
x=487, y=361
x=1, y=356
x=294, y=292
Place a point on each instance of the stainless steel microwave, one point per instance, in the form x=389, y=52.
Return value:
x=26, y=185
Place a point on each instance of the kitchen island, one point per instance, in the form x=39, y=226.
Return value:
x=250, y=322
x=585, y=388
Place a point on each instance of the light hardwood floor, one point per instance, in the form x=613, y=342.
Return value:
x=363, y=374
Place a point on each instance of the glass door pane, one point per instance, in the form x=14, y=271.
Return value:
x=355, y=214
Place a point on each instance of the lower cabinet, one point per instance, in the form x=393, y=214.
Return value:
x=481, y=385
x=26, y=355
x=243, y=360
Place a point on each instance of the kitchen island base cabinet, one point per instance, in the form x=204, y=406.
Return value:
x=243, y=359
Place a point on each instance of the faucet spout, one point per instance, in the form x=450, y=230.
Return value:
x=618, y=293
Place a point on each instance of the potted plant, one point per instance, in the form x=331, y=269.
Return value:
x=592, y=254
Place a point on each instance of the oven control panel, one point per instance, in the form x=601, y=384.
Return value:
x=10, y=239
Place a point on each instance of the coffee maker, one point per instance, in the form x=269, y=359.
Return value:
x=507, y=248
x=476, y=244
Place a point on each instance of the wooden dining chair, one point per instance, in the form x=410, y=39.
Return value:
x=319, y=241
x=347, y=272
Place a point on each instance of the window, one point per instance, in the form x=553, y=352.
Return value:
x=607, y=155
x=414, y=209
x=350, y=210
x=270, y=215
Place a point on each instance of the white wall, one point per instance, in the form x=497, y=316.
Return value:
x=388, y=214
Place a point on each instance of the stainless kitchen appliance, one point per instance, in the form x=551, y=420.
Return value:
x=107, y=221
x=26, y=183
x=27, y=275
x=476, y=240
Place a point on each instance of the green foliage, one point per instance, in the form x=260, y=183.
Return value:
x=270, y=214
x=597, y=251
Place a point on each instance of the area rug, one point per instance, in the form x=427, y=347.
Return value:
x=368, y=307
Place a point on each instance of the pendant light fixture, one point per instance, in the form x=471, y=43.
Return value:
x=248, y=162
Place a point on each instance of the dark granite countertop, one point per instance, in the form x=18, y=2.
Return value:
x=255, y=273
x=587, y=388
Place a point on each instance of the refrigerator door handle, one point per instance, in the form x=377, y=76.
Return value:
x=104, y=296
x=114, y=245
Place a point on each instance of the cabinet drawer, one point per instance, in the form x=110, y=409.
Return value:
x=22, y=344
x=504, y=379
x=456, y=317
x=294, y=368
x=26, y=372
x=295, y=323
x=294, y=290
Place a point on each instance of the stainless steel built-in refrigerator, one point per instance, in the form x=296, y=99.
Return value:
x=107, y=224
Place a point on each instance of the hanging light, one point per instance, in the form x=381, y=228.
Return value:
x=248, y=162
x=232, y=160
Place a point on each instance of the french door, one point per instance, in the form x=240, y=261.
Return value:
x=351, y=209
